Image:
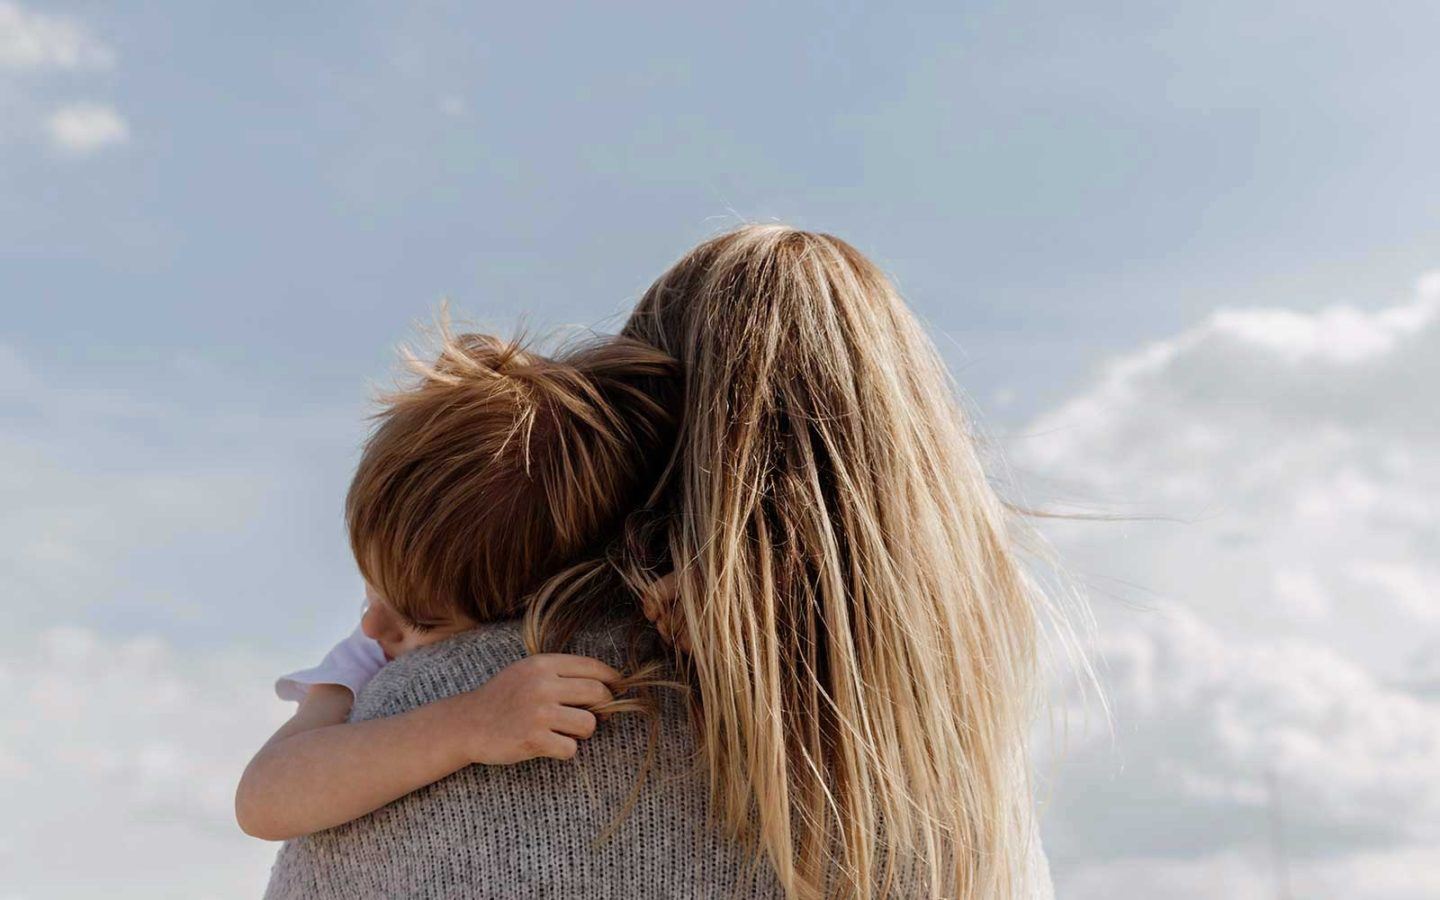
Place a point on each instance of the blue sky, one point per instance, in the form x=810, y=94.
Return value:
x=217, y=220
x=1049, y=187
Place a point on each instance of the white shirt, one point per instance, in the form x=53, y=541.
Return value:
x=350, y=663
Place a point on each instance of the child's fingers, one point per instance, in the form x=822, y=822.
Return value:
x=559, y=746
x=572, y=665
x=584, y=692
x=577, y=723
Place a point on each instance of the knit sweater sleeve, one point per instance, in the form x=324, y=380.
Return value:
x=530, y=829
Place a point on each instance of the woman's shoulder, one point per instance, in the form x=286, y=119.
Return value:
x=467, y=660
x=459, y=663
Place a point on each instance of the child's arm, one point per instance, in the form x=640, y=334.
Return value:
x=319, y=771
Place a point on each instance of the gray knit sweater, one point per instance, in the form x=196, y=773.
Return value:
x=525, y=830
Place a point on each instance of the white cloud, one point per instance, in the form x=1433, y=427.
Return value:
x=121, y=758
x=1340, y=335
x=1269, y=614
x=129, y=514
x=37, y=41
x=83, y=128
x=1404, y=873
x=1216, y=733
x=1292, y=467
x=35, y=44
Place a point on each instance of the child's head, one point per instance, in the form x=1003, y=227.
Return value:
x=395, y=635
x=498, y=469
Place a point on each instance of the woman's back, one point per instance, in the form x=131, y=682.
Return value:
x=525, y=830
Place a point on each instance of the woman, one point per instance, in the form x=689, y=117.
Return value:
x=855, y=637
x=862, y=641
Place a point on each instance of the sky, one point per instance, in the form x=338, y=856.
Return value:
x=1183, y=259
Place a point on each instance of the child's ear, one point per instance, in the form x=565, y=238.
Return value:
x=658, y=603
x=659, y=595
x=666, y=586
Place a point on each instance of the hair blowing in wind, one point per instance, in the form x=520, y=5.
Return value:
x=862, y=637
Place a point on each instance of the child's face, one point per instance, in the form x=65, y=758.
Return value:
x=396, y=636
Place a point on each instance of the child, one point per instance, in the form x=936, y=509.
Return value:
x=494, y=473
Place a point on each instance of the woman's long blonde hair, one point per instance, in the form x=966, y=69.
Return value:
x=863, y=639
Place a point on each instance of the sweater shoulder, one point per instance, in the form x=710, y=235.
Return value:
x=467, y=660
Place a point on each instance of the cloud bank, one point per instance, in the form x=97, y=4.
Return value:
x=1269, y=615
x=118, y=762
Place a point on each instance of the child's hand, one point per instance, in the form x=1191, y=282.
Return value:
x=534, y=707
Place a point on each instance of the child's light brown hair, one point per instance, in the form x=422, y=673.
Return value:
x=501, y=466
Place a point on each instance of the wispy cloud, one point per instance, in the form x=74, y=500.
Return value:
x=117, y=735
x=31, y=41
x=452, y=106
x=83, y=128
x=129, y=749
x=36, y=46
